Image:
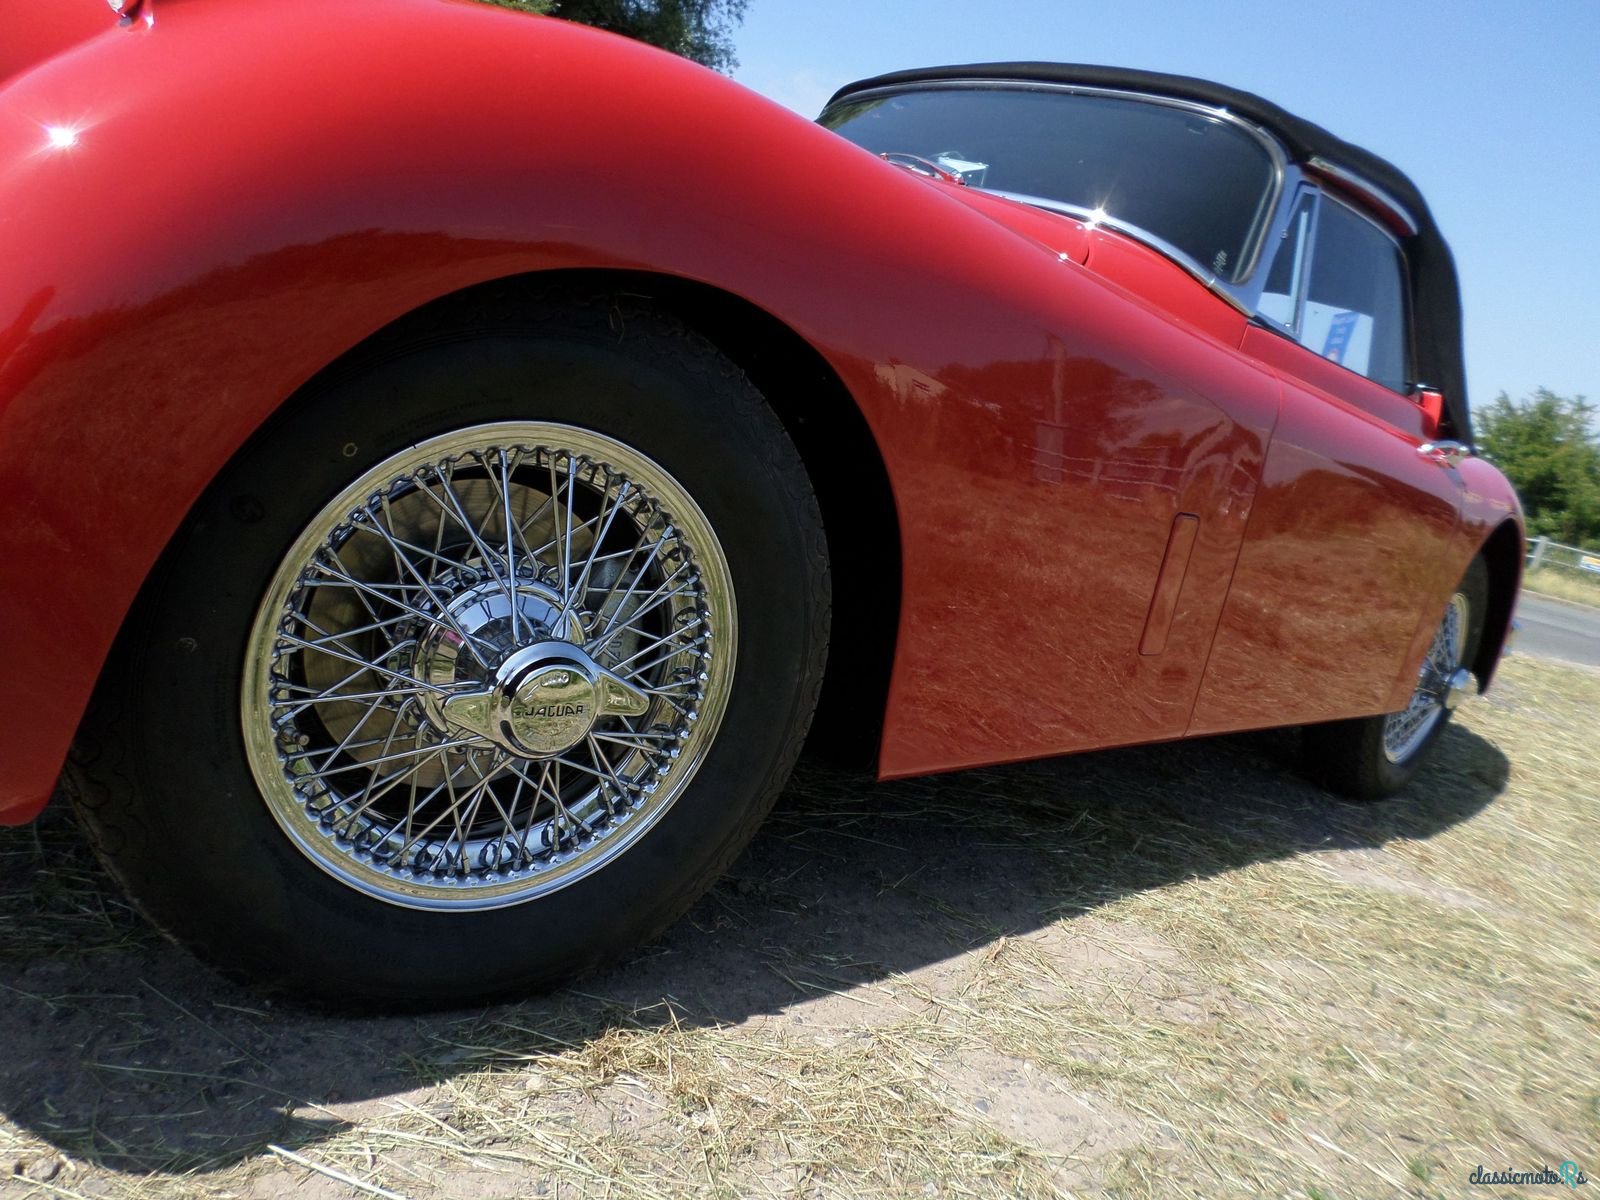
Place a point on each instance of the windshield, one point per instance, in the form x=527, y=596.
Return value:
x=1200, y=183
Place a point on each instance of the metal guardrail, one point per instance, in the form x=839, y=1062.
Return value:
x=1542, y=552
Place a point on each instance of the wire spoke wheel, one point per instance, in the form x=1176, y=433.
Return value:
x=1374, y=757
x=432, y=697
x=1406, y=731
x=489, y=665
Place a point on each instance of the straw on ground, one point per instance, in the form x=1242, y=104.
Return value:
x=1173, y=971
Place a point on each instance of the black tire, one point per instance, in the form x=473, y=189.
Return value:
x=1348, y=757
x=159, y=774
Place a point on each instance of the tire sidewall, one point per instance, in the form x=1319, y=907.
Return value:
x=1391, y=776
x=248, y=895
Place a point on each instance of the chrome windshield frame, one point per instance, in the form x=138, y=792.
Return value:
x=1263, y=222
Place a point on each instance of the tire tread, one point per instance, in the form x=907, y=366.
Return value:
x=101, y=779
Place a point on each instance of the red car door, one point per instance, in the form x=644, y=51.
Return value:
x=1341, y=569
x=1078, y=510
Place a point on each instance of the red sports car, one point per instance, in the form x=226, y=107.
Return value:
x=451, y=457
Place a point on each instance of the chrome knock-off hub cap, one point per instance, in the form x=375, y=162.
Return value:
x=477, y=625
x=489, y=665
x=545, y=699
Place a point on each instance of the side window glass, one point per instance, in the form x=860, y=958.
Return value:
x=1355, y=309
x=1280, y=298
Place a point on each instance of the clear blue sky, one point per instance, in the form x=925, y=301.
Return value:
x=1493, y=108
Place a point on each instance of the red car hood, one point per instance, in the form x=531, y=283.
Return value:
x=34, y=30
x=1124, y=261
x=1053, y=231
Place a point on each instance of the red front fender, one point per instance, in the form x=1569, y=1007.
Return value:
x=201, y=212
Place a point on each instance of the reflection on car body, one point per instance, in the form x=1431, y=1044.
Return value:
x=493, y=518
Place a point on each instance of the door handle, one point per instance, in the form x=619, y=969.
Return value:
x=1445, y=454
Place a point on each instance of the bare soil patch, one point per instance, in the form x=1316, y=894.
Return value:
x=1171, y=971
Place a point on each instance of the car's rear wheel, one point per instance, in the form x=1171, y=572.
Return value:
x=472, y=671
x=1371, y=758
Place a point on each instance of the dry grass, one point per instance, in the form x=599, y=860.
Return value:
x=1564, y=584
x=1165, y=972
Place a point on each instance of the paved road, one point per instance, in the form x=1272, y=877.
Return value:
x=1552, y=629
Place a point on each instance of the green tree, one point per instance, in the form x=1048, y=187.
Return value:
x=1548, y=447
x=701, y=30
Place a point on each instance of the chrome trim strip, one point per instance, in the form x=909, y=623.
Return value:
x=1269, y=202
x=1445, y=454
x=1399, y=216
x=1096, y=220
x=1306, y=254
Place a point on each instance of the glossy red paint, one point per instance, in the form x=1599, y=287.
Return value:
x=1045, y=482
x=31, y=33
x=1154, y=280
x=1345, y=557
x=1046, y=399
x=1432, y=405
x=1065, y=237
x=1489, y=506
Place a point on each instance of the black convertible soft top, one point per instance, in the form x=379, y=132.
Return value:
x=1436, y=296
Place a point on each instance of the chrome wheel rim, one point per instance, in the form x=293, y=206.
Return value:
x=489, y=666
x=1439, y=686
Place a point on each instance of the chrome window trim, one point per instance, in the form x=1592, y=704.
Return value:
x=1303, y=189
x=1374, y=195
x=1235, y=291
x=1308, y=252
x=1096, y=221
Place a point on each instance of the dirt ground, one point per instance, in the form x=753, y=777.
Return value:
x=1174, y=971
